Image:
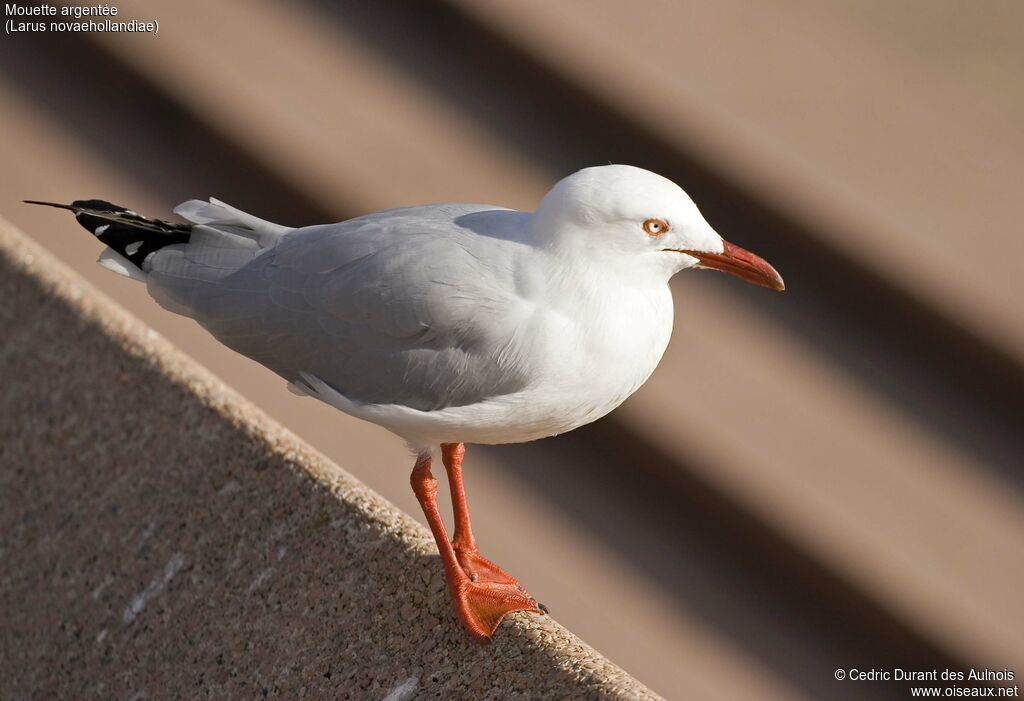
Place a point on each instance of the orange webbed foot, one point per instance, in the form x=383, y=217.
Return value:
x=481, y=606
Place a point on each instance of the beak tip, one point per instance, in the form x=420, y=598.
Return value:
x=741, y=263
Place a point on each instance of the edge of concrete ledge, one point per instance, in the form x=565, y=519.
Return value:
x=271, y=568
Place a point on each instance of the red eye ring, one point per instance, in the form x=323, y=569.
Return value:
x=655, y=227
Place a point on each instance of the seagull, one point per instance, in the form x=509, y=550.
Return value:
x=446, y=324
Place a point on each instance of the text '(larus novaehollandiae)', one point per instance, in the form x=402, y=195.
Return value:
x=446, y=324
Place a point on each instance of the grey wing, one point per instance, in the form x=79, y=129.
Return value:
x=397, y=308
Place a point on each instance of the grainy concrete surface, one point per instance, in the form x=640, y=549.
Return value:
x=161, y=538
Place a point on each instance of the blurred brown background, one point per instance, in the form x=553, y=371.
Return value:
x=832, y=477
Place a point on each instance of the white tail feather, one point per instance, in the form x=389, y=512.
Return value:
x=116, y=263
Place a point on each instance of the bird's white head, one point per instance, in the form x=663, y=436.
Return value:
x=634, y=220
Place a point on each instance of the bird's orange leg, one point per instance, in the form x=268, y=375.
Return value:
x=480, y=605
x=478, y=567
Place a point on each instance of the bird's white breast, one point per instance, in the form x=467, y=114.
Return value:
x=599, y=348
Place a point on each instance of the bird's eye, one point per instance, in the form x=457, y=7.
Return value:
x=655, y=227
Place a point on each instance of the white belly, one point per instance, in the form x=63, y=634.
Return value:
x=581, y=371
x=584, y=360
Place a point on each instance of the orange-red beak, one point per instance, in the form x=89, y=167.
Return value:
x=741, y=263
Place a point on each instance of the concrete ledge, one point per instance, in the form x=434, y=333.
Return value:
x=161, y=538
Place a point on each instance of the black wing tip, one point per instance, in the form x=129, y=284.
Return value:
x=101, y=206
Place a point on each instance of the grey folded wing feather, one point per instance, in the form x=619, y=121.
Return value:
x=394, y=308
